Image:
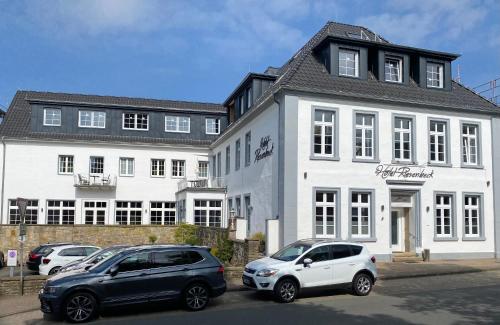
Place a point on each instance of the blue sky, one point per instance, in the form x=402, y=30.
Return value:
x=199, y=50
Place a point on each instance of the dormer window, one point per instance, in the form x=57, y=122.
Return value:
x=435, y=75
x=348, y=63
x=52, y=117
x=393, y=67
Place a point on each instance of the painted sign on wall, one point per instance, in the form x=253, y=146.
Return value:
x=404, y=172
x=265, y=150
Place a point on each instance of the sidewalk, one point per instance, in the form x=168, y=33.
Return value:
x=12, y=305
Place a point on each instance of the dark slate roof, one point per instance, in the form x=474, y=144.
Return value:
x=17, y=121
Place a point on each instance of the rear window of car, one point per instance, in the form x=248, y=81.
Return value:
x=74, y=251
x=169, y=258
x=341, y=251
x=356, y=250
x=194, y=257
x=46, y=252
x=90, y=250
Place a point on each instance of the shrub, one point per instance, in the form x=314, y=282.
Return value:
x=153, y=239
x=187, y=234
x=224, y=249
x=261, y=237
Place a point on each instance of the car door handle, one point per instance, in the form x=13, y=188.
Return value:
x=352, y=264
x=326, y=268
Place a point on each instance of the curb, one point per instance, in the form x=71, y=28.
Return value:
x=423, y=275
x=19, y=312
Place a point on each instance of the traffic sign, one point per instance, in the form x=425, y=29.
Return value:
x=12, y=257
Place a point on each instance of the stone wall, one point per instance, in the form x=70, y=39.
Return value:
x=11, y=286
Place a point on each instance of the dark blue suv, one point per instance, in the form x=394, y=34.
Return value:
x=136, y=275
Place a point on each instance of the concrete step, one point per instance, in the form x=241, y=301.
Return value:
x=403, y=254
x=407, y=259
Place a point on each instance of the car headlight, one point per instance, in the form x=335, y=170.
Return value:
x=267, y=272
x=50, y=290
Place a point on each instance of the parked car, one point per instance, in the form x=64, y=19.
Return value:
x=312, y=263
x=35, y=256
x=93, y=259
x=59, y=256
x=136, y=275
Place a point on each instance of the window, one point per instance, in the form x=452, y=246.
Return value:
x=324, y=128
x=92, y=119
x=434, y=75
x=202, y=169
x=393, y=68
x=319, y=254
x=126, y=166
x=438, y=142
x=96, y=165
x=473, y=216
x=237, y=155
x=229, y=206
x=341, y=251
x=208, y=213
x=135, y=121
x=361, y=214
x=52, y=117
x=214, y=166
x=178, y=168
x=348, y=63
x=73, y=251
x=194, y=257
x=228, y=159
x=241, y=105
x=30, y=217
x=325, y=213
x=212, y=125
x=403, y=133
x=66, y=165
x=135, y=262
x=219, y=165
x=248, y=95
x=248, y=212
x=444, y=215
x=95, y=212
x=238, y=206
x=128, y=212
x=162, y=213
x=157, y=167
x=364, y=137
x=248, y=148
x=470, y=145
x=60, y=212
x=169, y=258
x=177, y=124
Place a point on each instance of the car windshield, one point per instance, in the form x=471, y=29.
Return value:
x=291, y=252
x=104, y=257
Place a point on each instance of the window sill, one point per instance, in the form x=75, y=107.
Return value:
x=126, y=129
x=368, y=160
x=472, y=166
x=399, y=162
x=155, y=176
x=66, y=174
x=445, y=238
x=132, y=176
x=363, y=239
x=313, y=157
x=177, y=177
x=481, y=238
x=328, y=237
x=434, y=164
x=205, y=133
x=169, y=131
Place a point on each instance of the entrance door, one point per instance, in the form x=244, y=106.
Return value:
x=398, y=230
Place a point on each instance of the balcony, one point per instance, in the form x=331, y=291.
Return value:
x=95, y=182
x=202, y=184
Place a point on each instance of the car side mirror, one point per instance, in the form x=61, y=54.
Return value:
x=113, y=270
x=307, y=262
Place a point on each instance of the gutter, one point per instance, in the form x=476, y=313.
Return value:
x=4, y=146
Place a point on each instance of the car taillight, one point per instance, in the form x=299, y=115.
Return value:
x=34, y=256
x=373, y=259
x=46, y=261
x=221, y=269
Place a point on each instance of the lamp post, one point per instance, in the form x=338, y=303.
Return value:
x=21, y=205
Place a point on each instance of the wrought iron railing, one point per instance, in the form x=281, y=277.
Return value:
x=94, y=181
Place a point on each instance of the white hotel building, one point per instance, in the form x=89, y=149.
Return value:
x=354, y=138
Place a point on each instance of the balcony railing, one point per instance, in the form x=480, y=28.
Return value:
x=103, y=182
x=215, y=183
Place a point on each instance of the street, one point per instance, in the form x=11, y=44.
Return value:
x=451, y=299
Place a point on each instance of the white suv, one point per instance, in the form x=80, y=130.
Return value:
x=59, y=256
x=312, y=263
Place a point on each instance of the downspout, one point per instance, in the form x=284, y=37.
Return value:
x=280, y=170
x=3, y=177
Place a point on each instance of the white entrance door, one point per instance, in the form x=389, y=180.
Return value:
x=398, y=230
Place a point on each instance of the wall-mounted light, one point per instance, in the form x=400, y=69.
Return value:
x=428, y=208
x=382, y=208
x=488, y=183
x=305, y=175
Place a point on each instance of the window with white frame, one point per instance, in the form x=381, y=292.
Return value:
x=248, y=95
x=365, y=136
x=361, y=214
x=470, y=144
x=444, y=215
x=214, y=166
x=127, y=166
x=52, y=117
x=179, y=124
x=208, y=213
x=237, y=154
x=348, y=63
x=92, y=119
x=202, y=169
x=178, y=168
x=157, y=167
x=241, y=103
x=128, y=213
x=403, y=139
x=135, y=121
x=228, y=159
x=162, y=213
x=324, y=132
x=437, y=141
x=219, y=165
x=30, y=217
x=96, y=165
x=248, y=148
x=326, y=213
x=472, y=215
x=212, y=125
x=435, y=75
x=65, y=164
x=393, y=69
x=94, y=212
x=60, y=212
x=237, y=202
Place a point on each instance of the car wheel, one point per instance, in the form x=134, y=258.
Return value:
x=196, y=297
x=362, y=284
x=80, y=307
x=286, y=290
x=54, y=270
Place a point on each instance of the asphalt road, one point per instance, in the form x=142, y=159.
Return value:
x=453, y=299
